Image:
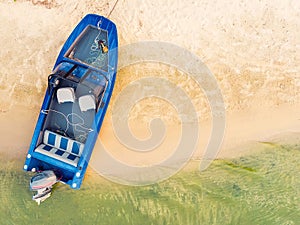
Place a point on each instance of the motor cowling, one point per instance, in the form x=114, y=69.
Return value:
x=43, y=180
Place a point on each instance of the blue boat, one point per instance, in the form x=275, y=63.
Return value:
x=76, y=99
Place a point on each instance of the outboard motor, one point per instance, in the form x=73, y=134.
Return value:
x=42, y=182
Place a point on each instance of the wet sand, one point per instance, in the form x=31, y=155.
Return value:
x=242, y=131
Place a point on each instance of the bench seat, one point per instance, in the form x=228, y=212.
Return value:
x=60, y=147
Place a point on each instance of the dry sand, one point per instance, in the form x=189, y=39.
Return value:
x=253, y=49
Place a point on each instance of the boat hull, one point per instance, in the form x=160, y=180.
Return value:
x=73, y=173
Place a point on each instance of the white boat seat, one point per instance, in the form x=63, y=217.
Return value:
x=60, y=148
x=87, y=102
x=65, y=94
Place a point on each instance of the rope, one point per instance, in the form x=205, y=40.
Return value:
x=81, y=124
x=113, y=8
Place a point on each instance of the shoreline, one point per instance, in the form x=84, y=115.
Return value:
x=243, y=130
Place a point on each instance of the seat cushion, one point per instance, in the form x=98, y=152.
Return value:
x=63, y=143
x=65, y=95
x=58, y=154
x=87, y=102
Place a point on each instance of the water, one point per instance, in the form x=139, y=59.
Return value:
x=262, y=188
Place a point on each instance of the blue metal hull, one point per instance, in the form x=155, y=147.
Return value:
x=70, y=174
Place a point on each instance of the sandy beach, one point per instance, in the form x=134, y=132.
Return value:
x=251, y=48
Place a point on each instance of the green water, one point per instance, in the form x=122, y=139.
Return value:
x=263, y=188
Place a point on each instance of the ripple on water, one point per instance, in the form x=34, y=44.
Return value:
x=262, y=188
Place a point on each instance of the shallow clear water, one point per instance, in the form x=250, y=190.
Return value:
x=263, y=188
